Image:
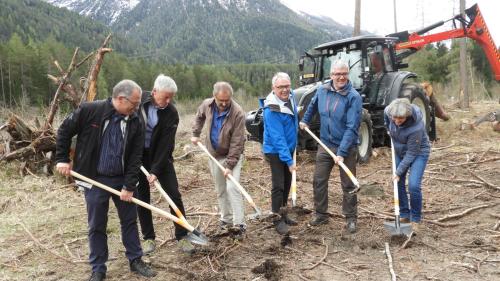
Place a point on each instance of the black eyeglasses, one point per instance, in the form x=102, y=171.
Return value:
x=341, y=74
x=135, y=104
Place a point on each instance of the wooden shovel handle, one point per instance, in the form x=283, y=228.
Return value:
x=134, y=200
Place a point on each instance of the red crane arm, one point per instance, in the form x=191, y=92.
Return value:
x=476, y=30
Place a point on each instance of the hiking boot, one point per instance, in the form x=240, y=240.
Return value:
x=138, y=266
x=351, y=225
x=185, y=246
x=318, y=220
x=289, y=221
x=148, y=246
x=240, y=233
x=281, y=227
x=97, y=276
x=404, y=220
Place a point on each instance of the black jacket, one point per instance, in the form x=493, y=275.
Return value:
x=88, y=121
x=162, y=143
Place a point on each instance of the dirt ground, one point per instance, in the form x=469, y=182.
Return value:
x=43, y=221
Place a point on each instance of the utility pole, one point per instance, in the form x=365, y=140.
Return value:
x=464, y=87
x=357, y=19
x=395, y=18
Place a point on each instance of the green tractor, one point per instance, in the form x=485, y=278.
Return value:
x=375, y=72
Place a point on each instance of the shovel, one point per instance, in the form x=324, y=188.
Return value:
x=258, y=212
x=396, y=227
x=341, y=164
x=200, y=238
x=293, y=188
x=195, y=236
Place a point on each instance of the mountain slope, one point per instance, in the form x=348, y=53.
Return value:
x=212, y=31
x=36, y=20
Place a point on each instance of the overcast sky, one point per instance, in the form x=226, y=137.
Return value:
x=377, y=15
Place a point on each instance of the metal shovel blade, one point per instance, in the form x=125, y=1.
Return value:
x=256, y=215
x=396, y=228
x=197, y=237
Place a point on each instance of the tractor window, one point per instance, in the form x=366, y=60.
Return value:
x=387, y=59
x=353, y=58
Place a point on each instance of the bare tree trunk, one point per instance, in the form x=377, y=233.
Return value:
x=395, y=18
x=3, y=89
x=463, y=64
x=357, y=19
x=10, y=89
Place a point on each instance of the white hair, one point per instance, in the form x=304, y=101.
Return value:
x=125, y=88
x=339, y=64
x=280, y=75
x=165, y=83
x=400, y=108
x=222, y=86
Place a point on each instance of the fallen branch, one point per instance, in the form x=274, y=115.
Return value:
x=322, y=258
x=473, y=163
x=407, y=241
x=466, y=265
x=43, y=246
x=389, y=259
x=442, y=147
x=461, y=214
x=483, y=180
x=323, y=262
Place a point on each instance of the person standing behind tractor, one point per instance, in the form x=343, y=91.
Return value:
x=108, y=149
x=160, y=120
x=280, y=140
x=405, y=124
x=339, y=106
x=225, y=140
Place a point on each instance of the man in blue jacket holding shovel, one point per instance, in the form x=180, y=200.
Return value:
x=280, y=140
x=339, y=106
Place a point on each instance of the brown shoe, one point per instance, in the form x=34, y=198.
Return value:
x=404, y=220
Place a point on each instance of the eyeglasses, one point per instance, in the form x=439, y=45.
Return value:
x=135, y=104
x=341, y=74
x=283, y=87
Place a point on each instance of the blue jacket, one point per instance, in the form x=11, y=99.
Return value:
x=280, y=128
x=340, y=115
x=410, y=139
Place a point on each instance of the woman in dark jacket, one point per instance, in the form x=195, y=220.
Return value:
x=405, y=124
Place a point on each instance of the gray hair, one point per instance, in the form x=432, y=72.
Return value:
x=222, y=86
x=125, y=88
x=400, y=108
x=280, y=75
x=339, y=64
x=165, y=83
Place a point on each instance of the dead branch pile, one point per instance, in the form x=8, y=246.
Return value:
x=34, y=146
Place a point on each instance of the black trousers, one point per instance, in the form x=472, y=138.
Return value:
x=281, y=181
x=97, y=201
x=168, y=181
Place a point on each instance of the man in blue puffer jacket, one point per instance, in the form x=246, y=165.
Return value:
x=339, y=106
x=280, y=140
x=405, y=124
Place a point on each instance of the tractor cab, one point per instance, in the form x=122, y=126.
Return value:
x=369, y=59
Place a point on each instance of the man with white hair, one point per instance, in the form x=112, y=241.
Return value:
x=280, y=140
x=225, y=140
x=339, y=106
x=160, y=120
x=108, y=149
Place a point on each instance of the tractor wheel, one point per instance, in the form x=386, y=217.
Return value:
x=417, y=96
x=365, y=137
